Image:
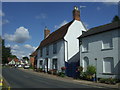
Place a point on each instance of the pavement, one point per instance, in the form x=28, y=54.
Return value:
x=69, y=79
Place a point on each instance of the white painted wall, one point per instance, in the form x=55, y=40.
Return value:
x=95, y=51
x=74, y=31
x=59, y=55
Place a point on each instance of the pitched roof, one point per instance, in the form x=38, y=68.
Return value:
x=100, y=29
x=56, y=35
x=34, y=53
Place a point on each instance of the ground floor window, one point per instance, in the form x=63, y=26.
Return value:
x=54, y=64
x=41, y=63
x=85, y=63
x=108, y=65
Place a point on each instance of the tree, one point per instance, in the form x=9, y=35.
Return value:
x=6, y=52
x=26, y=58
x=12, y=56
x=116, y=18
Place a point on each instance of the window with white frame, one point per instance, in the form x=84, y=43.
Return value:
x=108, y=65
x=54, y=64
x=41, y=63
x=85, y=63
x=107, y=41
x=54, y=48
x=84, y=46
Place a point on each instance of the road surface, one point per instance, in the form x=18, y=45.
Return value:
x=20, y=79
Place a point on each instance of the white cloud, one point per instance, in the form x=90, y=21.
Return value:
x=15, y=47
x=22, y=50
x=41, y=16
x=61, y=24
x=27, y=46
x=86, y=24
x=98, y=8
x=20, y=36
x=5, y=21
x=110, y=3
x=2, y=13
x=8, y=45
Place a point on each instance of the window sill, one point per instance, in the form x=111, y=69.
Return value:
x=84, y=51
x=107, y=73
x=107, y=49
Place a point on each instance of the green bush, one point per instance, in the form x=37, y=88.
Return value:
x=108, y=80
x=61, y=74
x=91, y=70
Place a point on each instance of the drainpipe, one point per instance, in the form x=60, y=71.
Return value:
x=67, y=48
x=80, y=43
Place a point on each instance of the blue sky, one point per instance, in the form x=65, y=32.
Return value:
x=24, y=23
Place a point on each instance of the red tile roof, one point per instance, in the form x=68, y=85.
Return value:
x=56, y=35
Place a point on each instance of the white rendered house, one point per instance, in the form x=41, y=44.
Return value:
x=61, y=47
x=99, y=47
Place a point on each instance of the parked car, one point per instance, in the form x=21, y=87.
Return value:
x=26, y=66
x=19, y=66
x=16, y=66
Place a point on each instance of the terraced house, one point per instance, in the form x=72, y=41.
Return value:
x=61, y=47
x=100, y=47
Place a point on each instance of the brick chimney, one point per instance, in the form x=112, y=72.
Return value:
x=46, y=33
x=76, y=14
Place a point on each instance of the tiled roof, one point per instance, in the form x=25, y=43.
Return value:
x=34, y=53
x=100, y=29
x=56, y=35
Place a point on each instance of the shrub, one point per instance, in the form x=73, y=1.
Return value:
x=91, y=70
x=83, y=75
x=80, y=68
x=40, y=70
x=108, y=80
x=61, y=74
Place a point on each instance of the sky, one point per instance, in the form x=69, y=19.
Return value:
x=23, y=23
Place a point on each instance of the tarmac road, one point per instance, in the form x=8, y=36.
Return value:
x=20, y=79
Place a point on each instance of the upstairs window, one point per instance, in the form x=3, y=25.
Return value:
x=47, y=50
x=84, y=47
x=107, y=42
x=54, y=48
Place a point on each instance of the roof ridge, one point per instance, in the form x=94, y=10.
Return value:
x=56, y=35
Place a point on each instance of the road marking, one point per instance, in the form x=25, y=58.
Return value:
x=1, y=82
x=9, y=88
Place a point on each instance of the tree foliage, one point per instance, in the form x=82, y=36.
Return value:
x=5, y=53
x=116, y=18
x=26, y=58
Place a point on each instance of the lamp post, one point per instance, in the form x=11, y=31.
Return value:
x=96, y=69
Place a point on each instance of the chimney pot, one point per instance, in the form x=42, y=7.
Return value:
x=46, y=32
x=76, y=14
